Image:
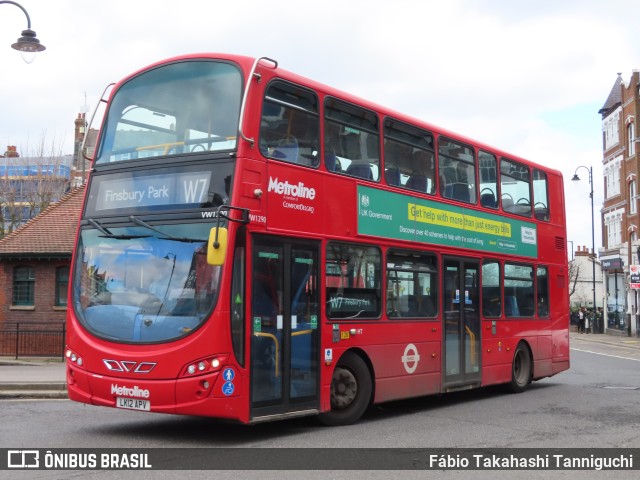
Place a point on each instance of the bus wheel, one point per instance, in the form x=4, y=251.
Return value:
x=521, y=369
x=350, y=391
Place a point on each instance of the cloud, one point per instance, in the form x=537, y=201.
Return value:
x=497, y=71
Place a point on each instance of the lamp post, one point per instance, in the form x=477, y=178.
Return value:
x=576, y=178
x=28, y=44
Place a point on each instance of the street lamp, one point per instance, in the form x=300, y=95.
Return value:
x=576, y=178
x=28, y=44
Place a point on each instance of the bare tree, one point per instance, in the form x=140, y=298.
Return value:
x=574, y=273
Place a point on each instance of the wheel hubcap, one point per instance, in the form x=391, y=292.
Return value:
x=344, y=388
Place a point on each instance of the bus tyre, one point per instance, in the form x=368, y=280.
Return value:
x=521, y=369
x=350, y=391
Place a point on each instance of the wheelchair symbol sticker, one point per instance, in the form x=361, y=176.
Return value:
x=228, y=388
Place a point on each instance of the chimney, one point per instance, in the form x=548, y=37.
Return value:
x=11, y=152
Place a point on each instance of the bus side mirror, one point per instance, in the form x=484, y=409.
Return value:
x=218, y=241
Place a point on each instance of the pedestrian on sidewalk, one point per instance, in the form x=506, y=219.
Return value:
x=588, y=321
x=581, y=320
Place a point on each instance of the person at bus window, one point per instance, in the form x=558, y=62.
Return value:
x=422, y=177
x=392, y=158
x=331, y=147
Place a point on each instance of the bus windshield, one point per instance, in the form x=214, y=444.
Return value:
x=175, y=109
x=142, y=285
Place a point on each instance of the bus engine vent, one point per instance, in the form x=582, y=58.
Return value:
x=560, y=243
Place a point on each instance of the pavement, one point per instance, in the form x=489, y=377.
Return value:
x=45, y=378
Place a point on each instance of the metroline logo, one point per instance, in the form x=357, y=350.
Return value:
x=130, y=392
x=291, y=190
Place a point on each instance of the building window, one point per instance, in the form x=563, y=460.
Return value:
x=610, y=127
x=24, y=282
x=632, y=197
x=631, y=144
x=612, y=178
x=613, y=224
x=62, y=286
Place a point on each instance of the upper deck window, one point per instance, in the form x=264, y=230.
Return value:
x=409, y=159
x=541, y=195
x=175, y=109
x=515, y=187
x=352, y=142
x=457, y=171
x=488, y=168
x=290, y=125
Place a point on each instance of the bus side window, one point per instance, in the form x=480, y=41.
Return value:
x=542, y=283
x=457, y=171
x=515, y=187
x=351, y=136
x=412, y=285
x=488, y=170
x=518, y=291
x=491, y=304
x=290, y=125
x=353, y=281
x=540, y=195
x=409, y=159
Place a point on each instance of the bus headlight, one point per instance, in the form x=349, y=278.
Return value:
x=205, y=365
x=73, y=357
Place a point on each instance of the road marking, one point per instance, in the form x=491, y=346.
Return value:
x=606, y=354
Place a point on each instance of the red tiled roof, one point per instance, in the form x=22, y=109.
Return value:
x=50, y=233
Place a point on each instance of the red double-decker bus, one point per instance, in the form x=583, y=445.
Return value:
x=255, y=245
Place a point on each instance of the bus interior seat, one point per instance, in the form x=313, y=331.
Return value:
x=331, y=160
x=428, y=307
x=360, y=170
x=286, y=149
x=507, y=204
x=460, y=192
x=417, y=182
x=511, y=306
x=351, y=144
x=392, y=176
x=541, y=213
x=488, y=200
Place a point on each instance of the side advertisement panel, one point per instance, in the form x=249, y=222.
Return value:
x=391, y=215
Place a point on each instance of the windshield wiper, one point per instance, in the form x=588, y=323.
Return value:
x=137, y=221
x=108, y=234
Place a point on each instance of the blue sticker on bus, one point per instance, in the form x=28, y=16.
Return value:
x=228, y=374
x=228, y=388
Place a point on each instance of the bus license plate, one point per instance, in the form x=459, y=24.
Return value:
x=133, y=404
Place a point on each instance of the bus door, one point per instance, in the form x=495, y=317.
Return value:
x=285, y=320
x=461, y=316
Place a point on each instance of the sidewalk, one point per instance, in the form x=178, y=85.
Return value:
x=32, y=378
x=46, y=378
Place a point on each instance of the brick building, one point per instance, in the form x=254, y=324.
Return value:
x=34, y=265
x=620, y=216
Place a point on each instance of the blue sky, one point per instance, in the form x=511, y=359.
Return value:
x=525, y=76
